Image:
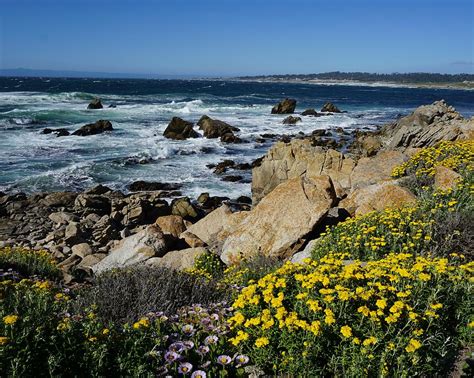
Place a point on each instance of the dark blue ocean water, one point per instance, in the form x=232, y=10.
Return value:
x=31, y=161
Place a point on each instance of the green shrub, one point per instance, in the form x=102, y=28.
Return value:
x=29, y=263
x=40, y=335
x=124, y=295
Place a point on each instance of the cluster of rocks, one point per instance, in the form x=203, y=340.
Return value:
x=97, y=127
x=96, y=103
x=288, y=106
x=81, y=229
x=298, y=188
x=180, y=129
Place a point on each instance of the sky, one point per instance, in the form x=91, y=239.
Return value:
x=237, y=37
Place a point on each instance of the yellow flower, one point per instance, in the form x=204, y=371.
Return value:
x=413, y=345
x=92, y=339
x=142, y=323
x=369, y=341
x=381, y=303
x=10, y=319
x=105, y=331
x=346, y=331
x=3, y=340
x=261, y=342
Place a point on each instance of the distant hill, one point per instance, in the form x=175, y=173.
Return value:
x=26, y=72
x=366, y=77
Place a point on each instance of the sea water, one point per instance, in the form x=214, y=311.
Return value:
x=136, y=150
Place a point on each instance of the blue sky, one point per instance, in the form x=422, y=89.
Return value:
x=229, y=37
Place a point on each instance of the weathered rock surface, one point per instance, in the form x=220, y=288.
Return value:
x=377, y=168
x=212, y=224
x=277, y=224
x=134, y=249
x=94, y=128
x=286, y=106
x=180, y=129
x=95, y=104
x=445, y=178
x=171, y=225
x=378, y=197
x=330, y=108
x=290, y=120
x=178, y=260
x=299, y=158
x=426, y=126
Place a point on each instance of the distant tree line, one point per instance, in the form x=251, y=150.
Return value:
x=415, y=77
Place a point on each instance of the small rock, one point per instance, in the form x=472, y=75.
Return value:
x=82, y=250
x=94, y=128
x=286, y=106
x=95, y=104
x=329, y=107
x=180, y=129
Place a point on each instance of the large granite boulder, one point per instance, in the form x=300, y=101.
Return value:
x=371, y=170
x=426, y=126
x=216, y=225
x=277, y=225
x=297, y=158
x=180, y=129
x=214, y=128
x=94, y=128
x=134, y=249
x=380, y=196
x=329, y=107
x=286, y=106
x=95, y=104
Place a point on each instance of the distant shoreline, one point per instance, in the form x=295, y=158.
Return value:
x=390, y=84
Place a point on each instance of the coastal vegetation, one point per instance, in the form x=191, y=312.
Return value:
x=366, y=77
x=387, y=293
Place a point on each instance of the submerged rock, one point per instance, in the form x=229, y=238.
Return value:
x=286, y=106
x=290, y=120
x=311, y=112
x=180, y=129
x=94, y=128
x=58, y=132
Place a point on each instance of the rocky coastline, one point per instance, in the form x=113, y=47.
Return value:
x=302, y=184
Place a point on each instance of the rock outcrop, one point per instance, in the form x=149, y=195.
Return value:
x=180, y=129
x=214, y=128
x=95, y=104
x=380, y=196
x=311, y=112
x=134, y=249
x=426, y=126
x=285, y=161
x=286, y=106
x=94, y=128
x=277, y=225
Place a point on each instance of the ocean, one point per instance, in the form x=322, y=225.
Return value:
x=136, y=150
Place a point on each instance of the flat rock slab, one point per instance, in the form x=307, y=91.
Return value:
x=281, y=219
